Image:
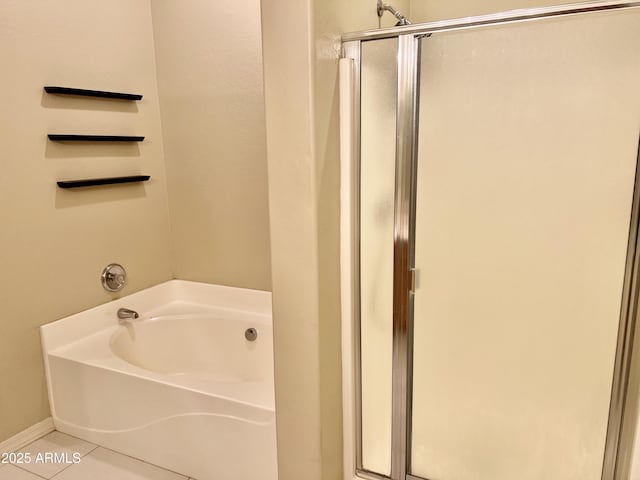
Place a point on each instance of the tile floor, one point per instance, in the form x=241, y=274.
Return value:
x=96, y=463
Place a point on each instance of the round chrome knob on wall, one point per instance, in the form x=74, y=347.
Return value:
x=114, y=277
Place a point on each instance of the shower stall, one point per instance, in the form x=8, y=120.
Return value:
x=489, y=246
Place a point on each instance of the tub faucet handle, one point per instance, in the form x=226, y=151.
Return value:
x=114, y=277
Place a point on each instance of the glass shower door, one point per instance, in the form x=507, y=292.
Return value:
x=376, y=186
x=527, y=145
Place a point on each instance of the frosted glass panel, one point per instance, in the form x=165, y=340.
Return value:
x=526, y=163
x=377, y=173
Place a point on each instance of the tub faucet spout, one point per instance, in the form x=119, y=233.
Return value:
x=125, y=314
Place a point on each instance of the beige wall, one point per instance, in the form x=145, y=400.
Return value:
x=54, y=243
x=294, y=236
x=209, y=59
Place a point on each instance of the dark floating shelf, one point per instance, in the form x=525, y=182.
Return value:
x=102, y=181
x=93, y=138
x=81, y=92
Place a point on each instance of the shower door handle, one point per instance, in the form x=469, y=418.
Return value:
x=413, y=273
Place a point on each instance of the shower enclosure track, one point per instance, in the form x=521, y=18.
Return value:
x=511, y=16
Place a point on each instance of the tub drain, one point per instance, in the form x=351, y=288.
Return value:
x=251, y=334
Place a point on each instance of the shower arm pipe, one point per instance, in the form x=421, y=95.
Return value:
x=511, y=16
x=383, y=7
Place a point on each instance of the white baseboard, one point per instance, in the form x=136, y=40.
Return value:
x=34, y=432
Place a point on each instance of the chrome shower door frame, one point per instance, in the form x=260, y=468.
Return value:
x=626, y=378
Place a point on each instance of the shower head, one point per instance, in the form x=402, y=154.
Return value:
x=383, y=7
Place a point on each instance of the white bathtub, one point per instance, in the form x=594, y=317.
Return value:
x=181, y=387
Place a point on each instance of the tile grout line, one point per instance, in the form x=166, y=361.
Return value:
x=95, y=447
x=28, y=471
x=66, y=467
x=186, y=477
x=72, y=464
